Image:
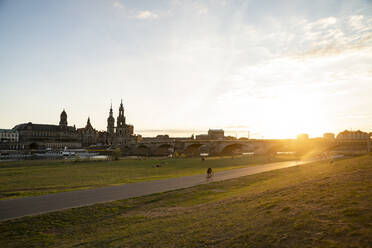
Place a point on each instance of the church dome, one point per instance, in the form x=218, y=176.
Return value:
x=63, y=119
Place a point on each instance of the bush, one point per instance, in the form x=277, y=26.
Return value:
x=176, y=155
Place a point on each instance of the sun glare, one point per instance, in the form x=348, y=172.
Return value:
x=293, y=113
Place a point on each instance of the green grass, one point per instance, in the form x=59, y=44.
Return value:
x=313, y=205
x=30, y=178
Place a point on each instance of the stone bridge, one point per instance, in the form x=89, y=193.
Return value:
x=229, y=147
x=212, y=147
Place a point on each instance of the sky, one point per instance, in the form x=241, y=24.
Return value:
x=267, y=69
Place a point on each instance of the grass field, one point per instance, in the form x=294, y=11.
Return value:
x=30, y=178
x=314, y=205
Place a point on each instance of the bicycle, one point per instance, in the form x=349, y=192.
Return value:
x=209, y=173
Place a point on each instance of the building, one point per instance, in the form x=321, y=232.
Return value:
x=89, y=136
x=303, y=137
x=202, y=137
x=123, y=133
x=164, y=138
x=8, y=135
x=120, y=134
x=41, y=136
x=9, y=139
x=213, y=134
x=216, y=134
x=353, y=135
x=329, y=136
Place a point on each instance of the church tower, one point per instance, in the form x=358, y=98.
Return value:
x=111, y=122
x=120, y=121
x=63, y=119
x=88, y=126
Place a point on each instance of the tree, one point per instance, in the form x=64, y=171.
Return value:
x=115, y=155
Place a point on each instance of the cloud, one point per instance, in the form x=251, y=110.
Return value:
x=146, y=14
x=332, y=37
x=335, y=46
x=200, y=8
x=356, y=21
x=321, y=23
x=132, y=13
x=117, y=4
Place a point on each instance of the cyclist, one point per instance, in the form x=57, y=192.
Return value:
x=209, y=173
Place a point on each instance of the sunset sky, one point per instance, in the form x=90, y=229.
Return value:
x=271, y=68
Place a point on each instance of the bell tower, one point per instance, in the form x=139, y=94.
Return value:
x=111, y=122
x=120, y=121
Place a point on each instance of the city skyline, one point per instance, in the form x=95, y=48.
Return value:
x=232, y=131
x=273, y=69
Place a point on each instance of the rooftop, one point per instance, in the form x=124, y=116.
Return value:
x=7, y=131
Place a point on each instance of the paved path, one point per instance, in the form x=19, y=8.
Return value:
x=16, y=208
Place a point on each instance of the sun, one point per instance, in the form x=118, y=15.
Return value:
x=297, y=113
x=287, y=115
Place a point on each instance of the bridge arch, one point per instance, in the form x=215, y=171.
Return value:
x=142, y=150
x=163, y=149
x=193, y=149
x=231, y=149
x=126, y=149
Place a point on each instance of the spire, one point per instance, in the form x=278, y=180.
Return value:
x=121, y=108
x=111, y=113
x=111, y=121
x=88, y=126
x=121, y=118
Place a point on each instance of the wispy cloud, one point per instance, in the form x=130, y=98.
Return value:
x=117, y=4
x=133, y=13
x=146, y=14
x=332, y=37
x=356, y=22
x=321, y=23
x=200, y=8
